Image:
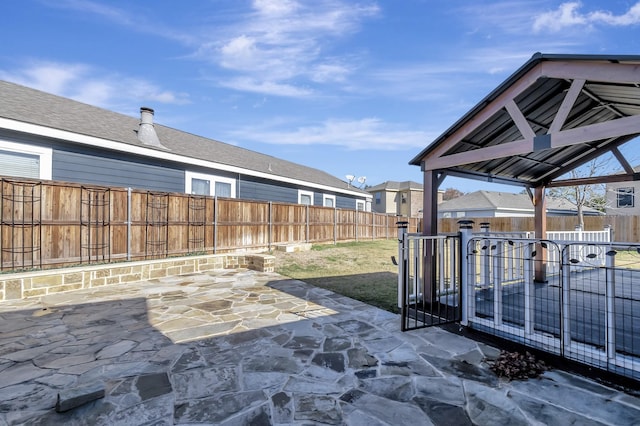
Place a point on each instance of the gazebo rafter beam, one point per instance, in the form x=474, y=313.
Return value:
x=567, y=105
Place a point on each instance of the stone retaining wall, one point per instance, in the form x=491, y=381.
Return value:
x=23, y=285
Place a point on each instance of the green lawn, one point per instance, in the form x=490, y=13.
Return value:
x=361, y=270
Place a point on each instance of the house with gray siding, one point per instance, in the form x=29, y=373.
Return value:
x=505, y=204
x=48, y=137
x=621, y=197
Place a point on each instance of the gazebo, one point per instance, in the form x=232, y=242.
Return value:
x=554, y=114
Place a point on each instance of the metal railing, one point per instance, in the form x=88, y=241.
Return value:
x=586, y=310
x=576, y=299
x=428, y=279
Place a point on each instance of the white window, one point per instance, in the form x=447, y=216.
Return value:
x=328, y=200
x=360, y=205
x=26, y=161
x=625, y=197
x=305, y=197
x=200, y=186
x=203, y=184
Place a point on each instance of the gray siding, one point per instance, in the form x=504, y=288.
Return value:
x=106, y=169
x=96, y=166
x=343, y=202
x=263, y=190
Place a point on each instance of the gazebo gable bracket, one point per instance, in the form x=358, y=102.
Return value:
x=558, y=134
x=598, y=150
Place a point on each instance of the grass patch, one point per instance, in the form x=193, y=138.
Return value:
x=360, y=270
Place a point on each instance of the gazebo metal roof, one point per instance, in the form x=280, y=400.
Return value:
x=552, y=115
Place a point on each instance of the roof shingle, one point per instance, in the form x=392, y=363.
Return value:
x=44, y=109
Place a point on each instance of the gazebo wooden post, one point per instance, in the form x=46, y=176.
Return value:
x=540, y=209
x=430, y=228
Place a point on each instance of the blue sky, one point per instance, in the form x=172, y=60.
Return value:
x=347, y=86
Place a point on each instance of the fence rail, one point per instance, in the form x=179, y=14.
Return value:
x=49, y=224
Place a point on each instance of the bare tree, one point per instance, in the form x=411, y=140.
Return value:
x=451, y=193
x=591, y=196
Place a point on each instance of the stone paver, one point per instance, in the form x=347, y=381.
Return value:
x=249, y=348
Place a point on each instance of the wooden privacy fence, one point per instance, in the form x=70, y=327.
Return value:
x=48, y=224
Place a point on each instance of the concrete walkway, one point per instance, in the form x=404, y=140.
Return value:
x=250, y=348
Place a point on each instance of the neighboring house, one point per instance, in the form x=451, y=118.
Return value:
x=400, y=198
x=43, y=136
x=621, y=198
x=504, y=204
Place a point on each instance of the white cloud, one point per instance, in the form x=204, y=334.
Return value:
x=90, y=85
x=48, y=77
x=275, y=7
x=365, y=134
x=330, y=72
x=278, y=43
x=631, y=17
x=241, y=50
x=283, y=43
x=569, y=15
x=140, y=19
x=274, y=88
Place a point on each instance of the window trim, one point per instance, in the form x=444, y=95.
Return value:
x=302, y=192
x=188, y=176
x=362, y=204
x=624, y=193
x=44, y=154
x=328, y=197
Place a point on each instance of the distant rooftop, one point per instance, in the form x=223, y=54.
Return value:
x=483, y=200
x=391, y=185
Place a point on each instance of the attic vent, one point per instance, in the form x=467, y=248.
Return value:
x=146, y=132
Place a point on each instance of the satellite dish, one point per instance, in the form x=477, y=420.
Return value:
x=362, y=179
x=350, y=178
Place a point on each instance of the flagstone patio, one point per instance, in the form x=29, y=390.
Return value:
x=244, y=347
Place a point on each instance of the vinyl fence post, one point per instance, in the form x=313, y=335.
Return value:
x=611, y=307
x=498, y=271
x=485, y=260
x=529, y=291
x=467, y=286
x=609, y=229
x=565, y=332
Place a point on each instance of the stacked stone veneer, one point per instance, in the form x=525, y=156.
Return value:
x=39, y=283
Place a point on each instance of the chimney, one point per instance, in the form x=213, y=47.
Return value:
x=146, y=132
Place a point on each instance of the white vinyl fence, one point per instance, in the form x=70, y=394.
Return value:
x=584, y=255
